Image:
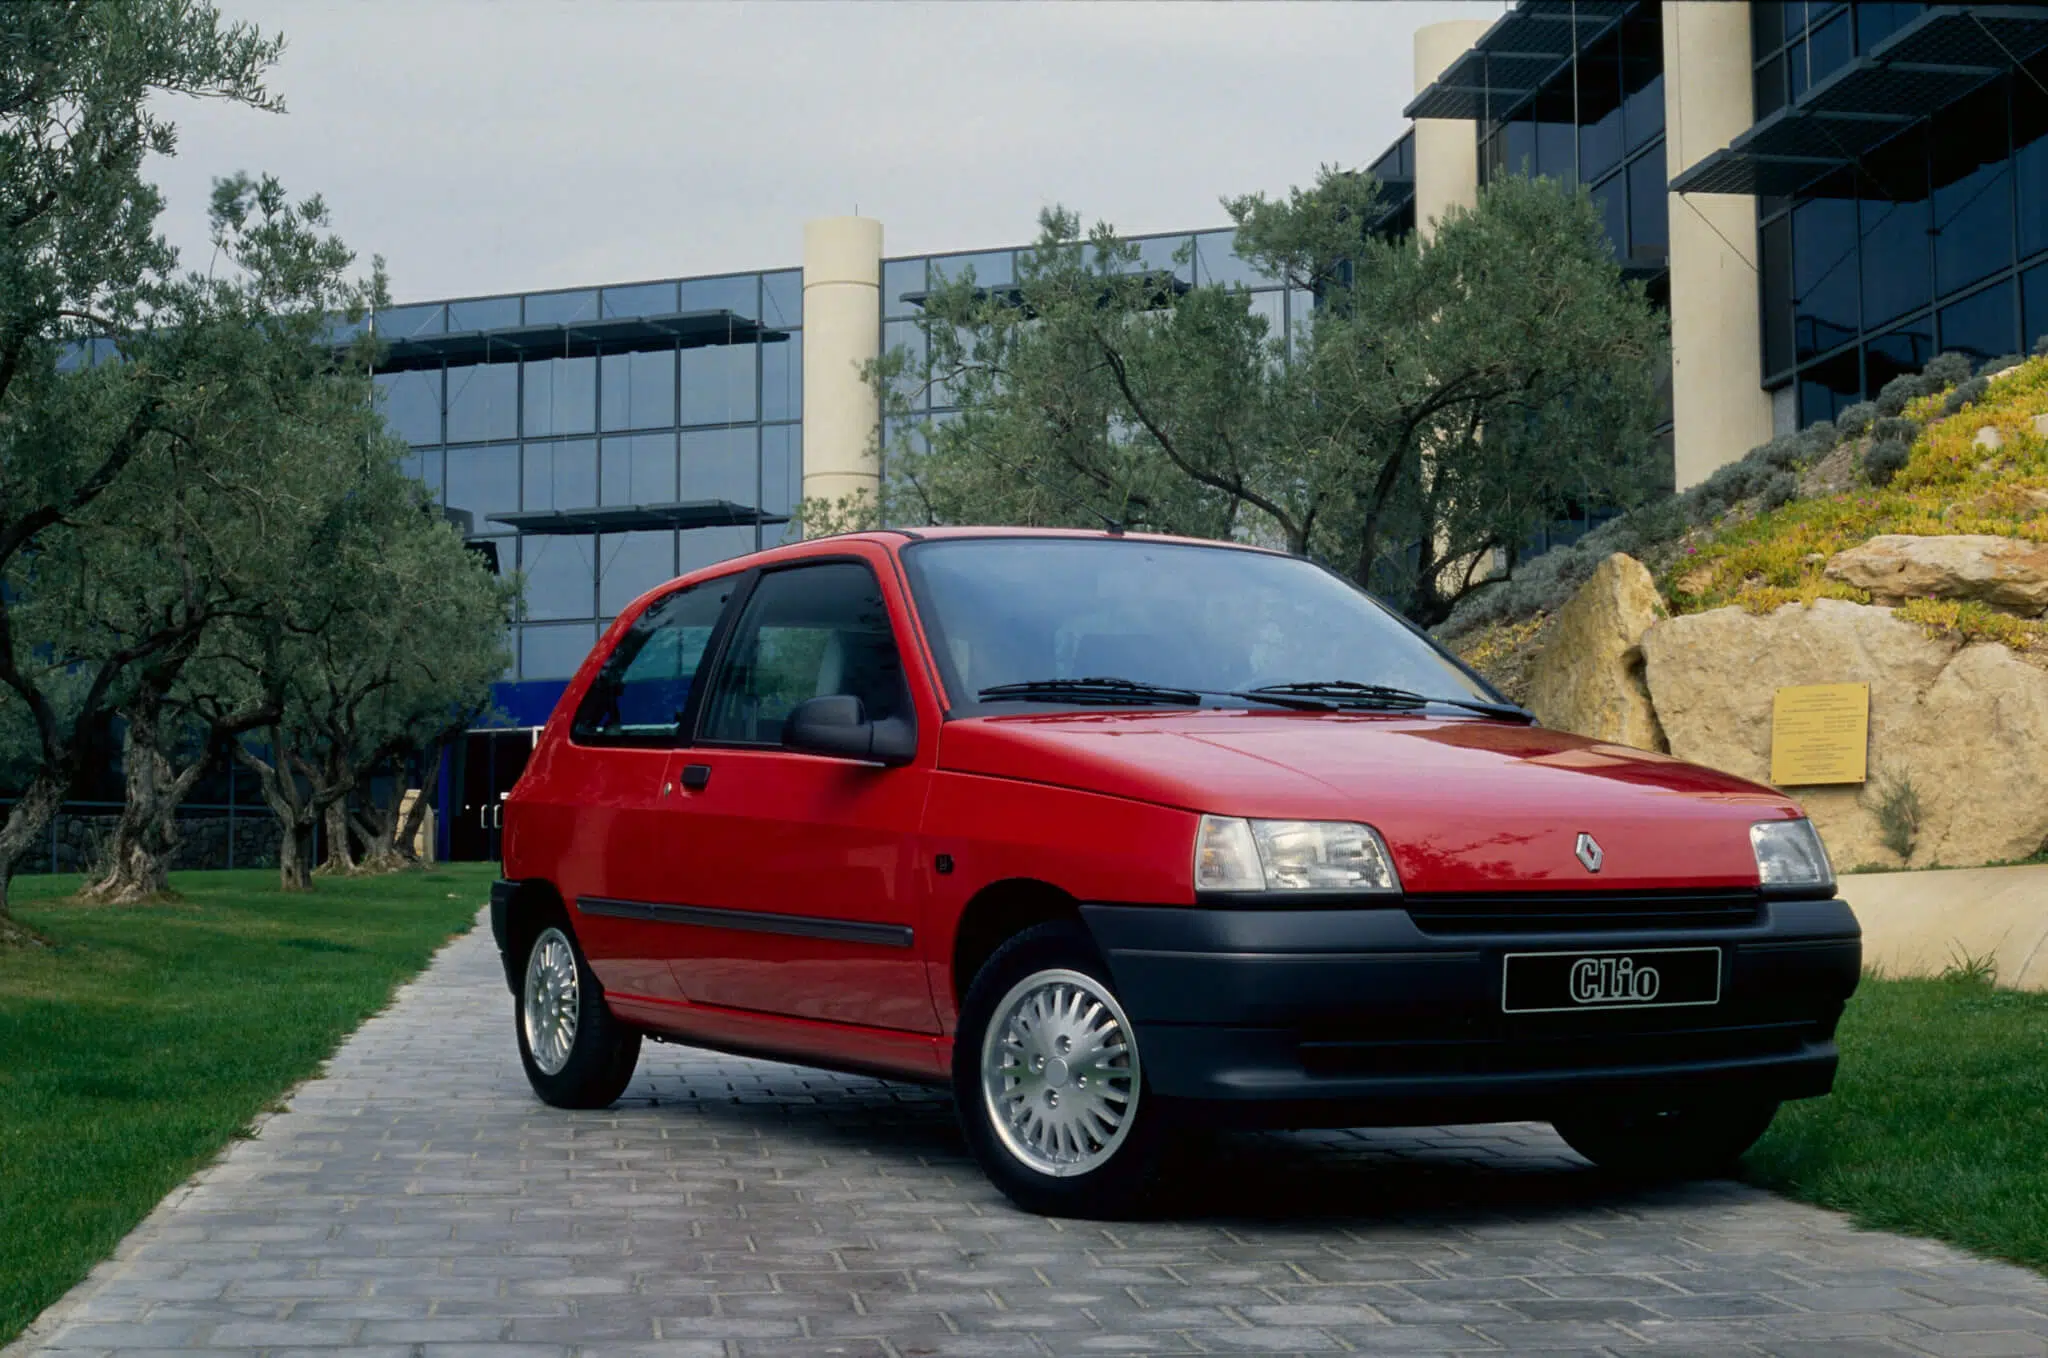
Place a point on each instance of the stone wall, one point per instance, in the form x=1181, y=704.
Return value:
x=202, y=842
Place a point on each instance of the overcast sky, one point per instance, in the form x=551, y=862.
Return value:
x=510, y=146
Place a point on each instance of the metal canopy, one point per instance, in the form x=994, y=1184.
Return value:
x=690, y=329
x=638, y=518
x=1924, y=67
x=1513, y=58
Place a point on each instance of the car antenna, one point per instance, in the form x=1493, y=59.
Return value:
x=1114, y=526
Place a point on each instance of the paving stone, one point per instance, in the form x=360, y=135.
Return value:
x=415, y=1201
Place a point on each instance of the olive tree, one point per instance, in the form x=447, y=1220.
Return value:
x=1442, y=401
x=79, y=258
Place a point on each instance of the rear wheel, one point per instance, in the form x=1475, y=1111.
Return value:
x=1683, y=1143
x=1049, y=1082
x=576, y=1054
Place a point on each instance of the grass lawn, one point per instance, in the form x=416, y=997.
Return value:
x=149, y=1037
x=1939, y=1121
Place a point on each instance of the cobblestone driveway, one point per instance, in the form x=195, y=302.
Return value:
x=418, y=1203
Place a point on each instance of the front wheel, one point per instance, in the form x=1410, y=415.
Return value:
x=575, y=1053
x=1049, y=1081
x=1684, y=1143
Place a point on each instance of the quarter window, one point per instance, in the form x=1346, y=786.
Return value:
x=808, y=632
x=640, y=695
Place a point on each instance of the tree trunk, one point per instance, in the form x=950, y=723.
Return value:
x=145, y=836
x=409, y=828
x=22, y=831
x=294, y=816
x=341, y=854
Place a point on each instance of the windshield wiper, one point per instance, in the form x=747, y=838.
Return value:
x=1108, y=692
x=1351, y=693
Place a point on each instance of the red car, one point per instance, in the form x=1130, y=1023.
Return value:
x=1109, y=832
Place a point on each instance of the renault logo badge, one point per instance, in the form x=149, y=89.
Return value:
x=1588, y=851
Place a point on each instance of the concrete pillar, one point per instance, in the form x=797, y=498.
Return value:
x=1719, y=406
x=842, y=331
x=1446, y=149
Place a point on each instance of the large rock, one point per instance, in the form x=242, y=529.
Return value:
x=1589, y=677
x=1967, y=726
x=2008, y=572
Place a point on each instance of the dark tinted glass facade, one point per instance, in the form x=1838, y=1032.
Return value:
x=1936, y=239
x=1198, y=258
x=642, y=394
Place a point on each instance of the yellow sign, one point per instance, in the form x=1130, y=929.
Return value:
x=1820, y=733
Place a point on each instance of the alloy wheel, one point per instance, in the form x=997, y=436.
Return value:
x=552, y=999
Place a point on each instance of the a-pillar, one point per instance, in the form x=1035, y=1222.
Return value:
x=1446, y=149
x=842, y=333
x=1720, y=409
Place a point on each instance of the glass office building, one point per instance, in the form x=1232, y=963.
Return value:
x=1896, y=156
x=603, y=440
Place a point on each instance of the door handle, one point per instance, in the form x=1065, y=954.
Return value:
x=695, y=776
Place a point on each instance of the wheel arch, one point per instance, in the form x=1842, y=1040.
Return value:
x=520, y=909
x=997, y=913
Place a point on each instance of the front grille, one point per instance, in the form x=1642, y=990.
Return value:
x=1535, y=912
x=1528, y=1053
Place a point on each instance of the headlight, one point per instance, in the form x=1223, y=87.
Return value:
x=1291, y=855
x=1789, y=854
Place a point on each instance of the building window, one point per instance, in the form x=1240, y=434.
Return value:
x=485, y=482
x=483, y=402
x=638, y=391
x=561, y=577
x=561, y=396
x=1984, y=324
x=718, y=384
x=722, y=464
x=411, y=402
x=630, y=564
x=640, y=470
x=560, y=475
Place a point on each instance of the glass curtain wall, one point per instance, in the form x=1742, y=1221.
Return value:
x=644, y=420
x=1937, y=240
x=1598, y=121
x=1198, y=258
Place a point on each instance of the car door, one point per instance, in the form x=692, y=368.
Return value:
x=626, y=727
x=801, y=867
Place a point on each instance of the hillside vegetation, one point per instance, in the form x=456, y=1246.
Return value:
x=1760, y=532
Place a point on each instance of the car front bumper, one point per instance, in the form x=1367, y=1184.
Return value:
x=1394, y=1016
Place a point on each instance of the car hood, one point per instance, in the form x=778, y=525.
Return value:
x=1463, y=804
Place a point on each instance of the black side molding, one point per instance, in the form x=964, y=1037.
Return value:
x=752, y=921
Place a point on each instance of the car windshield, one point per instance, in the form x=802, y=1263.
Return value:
x=1206, y=621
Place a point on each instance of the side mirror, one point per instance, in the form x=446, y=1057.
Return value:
x=838, y=724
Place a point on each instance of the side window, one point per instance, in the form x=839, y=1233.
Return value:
x=807, y=632
x=639, y=695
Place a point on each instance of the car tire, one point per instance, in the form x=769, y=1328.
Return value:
x=1684, y=1143
x=1052, y=1141
x=585, y=1056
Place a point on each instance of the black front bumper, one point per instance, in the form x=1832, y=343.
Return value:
x=1394, y=1016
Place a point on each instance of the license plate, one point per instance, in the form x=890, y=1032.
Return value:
x=1638, y=978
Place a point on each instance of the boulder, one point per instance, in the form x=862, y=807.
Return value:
x=2010, y=573
x=1588, y=678
x=1968, y=726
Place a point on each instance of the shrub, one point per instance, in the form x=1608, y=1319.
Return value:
x=1885, y=459
x=2041, y=347
x=1944, y=371
x=1854, y=421
x=1968, y=393
x=1896, y=393
x=1898, y=813
x=1817, y=438
x=1999, y=364
x=1895, y=429
x=1782, y=488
